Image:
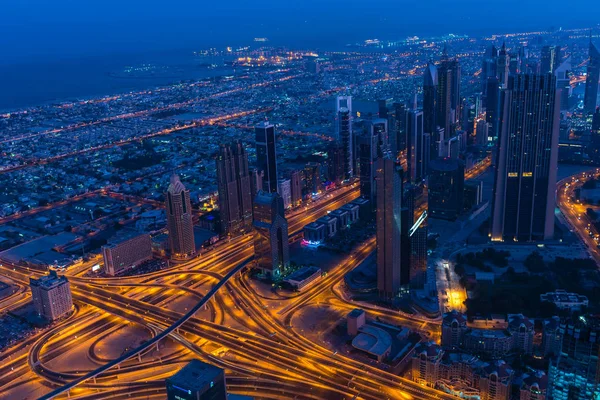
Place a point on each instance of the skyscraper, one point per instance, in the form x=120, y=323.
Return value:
x=271, y=243
x=296, y=187
x=550, y=59
x=266, y=155
x=343, y=133
x=525, y=182
x=367, y=155
x=492, y=111
x=488, y=67
x=390, y=276
x=179, y=220
x=398, y=130
x=418, y=146
x=446, y=187
x=450, y=84
x=378, y=128
x=503, y=66
x=590, y=100
x=430, y=96
x=335, y=163
x=235, y=189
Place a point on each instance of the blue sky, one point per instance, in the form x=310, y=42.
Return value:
x=57, y=28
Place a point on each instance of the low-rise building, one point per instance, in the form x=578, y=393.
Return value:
x=330, y=225
x=315, y=233
x=566, y=301
x=355, y=320
x=128, y=251
x=303, y=277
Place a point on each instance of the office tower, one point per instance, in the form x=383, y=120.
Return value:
x=446, y=188
x=266, y=155
x=312, y=178
x=335, y=160
x=563, y=82
x=488, y=68
x=197, y=381
x=514, y=64
x=590, y=100
x=430, y=96
x=492, y=111
x=367, y=155
x=51, y=295
x=414, y=239
x=482, y=130
x=271, y=244
x=523, y=201
x=390, y=277
x=128, y=251
x=378, y=128
x=235, y=189
x=550, y=59
x=503, y=66
x=417, y=151
x=575, y=373
x=296, y=187
x=284, y=188
x=343, y=133
x=453, y=86
x=443, y=103
x=256, y=180
x=382, y=108
x=179, y=220
x=398, y=131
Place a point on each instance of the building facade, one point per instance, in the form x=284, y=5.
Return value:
x=271, y=243
x=266, y=155
x=127, y=253
x=51, y=295
x=179, y=220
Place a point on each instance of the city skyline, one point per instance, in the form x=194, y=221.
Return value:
x=374, y=216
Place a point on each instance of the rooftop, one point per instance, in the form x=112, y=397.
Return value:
x=196, y=375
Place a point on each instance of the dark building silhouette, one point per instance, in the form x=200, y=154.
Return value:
x=550, y=59
x=235, y=189
x=343, y=132
x=266, y=155
x=503, y=66
x=179, y=220
x=367, y=145
x=590, y=100
x=446, y=188
x=418, y=146
x=390, y=276
x=492, y=112
x=430, y=98
x=271, y=243
x=398, y=130
x=335, y=163
x=523, y=201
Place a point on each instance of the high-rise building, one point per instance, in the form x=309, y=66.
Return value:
x=285, y=191
x=418, y=146
x=266, y=155
x=525, y=182
x=378, y=128
x=492, y=111
x=179, y=220
x=128, y=251
x=197, y=381
x=452, y=86
x=51, y=296
x=367, y=156
x=335, y=163
x=296, y=187
x=343, y=133
x=596, y=122
x=482, y=130
x=503, y=66
x=235, y=189
x=592, y=80
x=563, y=82
x=398, y=131
x=488, y=68
x=312, y=178
x=550, y=59
x=575, y=373
x=256, y=180
x=390, y=277
x=430, y=98
x=446, y=188
x=271, y=243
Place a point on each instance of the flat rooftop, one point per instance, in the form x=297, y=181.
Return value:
x=373, y=340
x=196, y=375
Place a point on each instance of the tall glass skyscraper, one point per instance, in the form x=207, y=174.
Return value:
x=271, y=244
x=590, y=100
x=266, y=155
x=235, y=190
x=179, y=220
x=390, y=277
x=525, y=182
x=343, y=133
